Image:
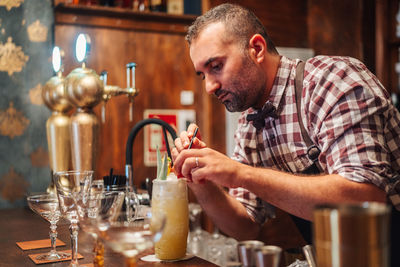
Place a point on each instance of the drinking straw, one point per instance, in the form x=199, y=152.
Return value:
x=190, y=145
x=194, y=136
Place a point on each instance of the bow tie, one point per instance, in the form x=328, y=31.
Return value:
x=258, y=118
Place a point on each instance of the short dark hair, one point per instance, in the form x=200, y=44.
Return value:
x=239, y=22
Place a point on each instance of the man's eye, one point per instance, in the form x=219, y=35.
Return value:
x=216, y=67
x=202, y=76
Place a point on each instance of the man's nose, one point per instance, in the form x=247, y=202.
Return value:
x=212, y=86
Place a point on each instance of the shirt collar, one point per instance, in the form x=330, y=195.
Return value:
x=284, y=77
x=285, y=73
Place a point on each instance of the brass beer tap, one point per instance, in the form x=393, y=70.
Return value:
x=57, y=125
x=84, y=89
x=75, y=138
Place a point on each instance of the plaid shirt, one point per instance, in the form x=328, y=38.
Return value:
x=347, y=114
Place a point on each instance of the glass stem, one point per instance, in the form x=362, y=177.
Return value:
x=127, y=212
x=197, y=225
x=130, y=262
x=73, y=229
x=98, y=260
x=53, y=237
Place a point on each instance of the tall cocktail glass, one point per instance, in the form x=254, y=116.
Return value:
x=46, y=205
x=73, y=189
x=170, y=197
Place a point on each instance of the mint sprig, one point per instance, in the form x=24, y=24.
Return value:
x=162, y=165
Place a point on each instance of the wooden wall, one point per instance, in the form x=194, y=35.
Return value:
x=285, y=21
x=329, y=27
x=345, y=28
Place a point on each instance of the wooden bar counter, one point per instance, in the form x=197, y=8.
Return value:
x=22, y=224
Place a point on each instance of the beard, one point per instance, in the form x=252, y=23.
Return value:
x=246, y=88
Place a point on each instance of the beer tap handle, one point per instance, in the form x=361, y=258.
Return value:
x=106, y=97
x=130, y=109
x=130, y=68
x=103, y=77
x=131, y=86
x=128, y=76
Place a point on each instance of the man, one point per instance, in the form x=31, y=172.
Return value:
x=345, y=110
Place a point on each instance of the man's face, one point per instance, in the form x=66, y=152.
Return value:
x=228, y=71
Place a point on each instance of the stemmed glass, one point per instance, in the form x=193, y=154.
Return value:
x=73, y=189
x=101, y=204
x=131, y=237
x=46, y=205
x=104, y=209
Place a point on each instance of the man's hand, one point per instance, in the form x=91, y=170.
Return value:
x=201, y=163
x=208, y=164
x=183, y=141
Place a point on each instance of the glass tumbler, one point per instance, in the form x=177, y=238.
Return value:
x=170, y=197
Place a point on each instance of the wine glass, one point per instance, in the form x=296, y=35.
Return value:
x=46, y=205
x=131, y=237
x=101, y=204
x=102, y=208
x=73, y=189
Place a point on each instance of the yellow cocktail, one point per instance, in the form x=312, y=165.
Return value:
x=170, y=197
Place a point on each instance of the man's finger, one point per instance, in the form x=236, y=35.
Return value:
x=184, y=139
x=178, y=144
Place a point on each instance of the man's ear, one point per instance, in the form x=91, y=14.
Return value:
x=257, y=47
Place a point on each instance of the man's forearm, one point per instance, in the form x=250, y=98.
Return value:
x=228, y=214
x=298, y=194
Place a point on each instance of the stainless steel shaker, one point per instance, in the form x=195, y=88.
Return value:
x=352, y=235
x=246, y=251
x=268, y=256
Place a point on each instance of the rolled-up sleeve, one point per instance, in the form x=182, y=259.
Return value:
x=356, y=127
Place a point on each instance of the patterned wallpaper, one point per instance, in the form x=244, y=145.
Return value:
x=25, y=65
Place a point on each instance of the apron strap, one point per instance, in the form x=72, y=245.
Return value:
x=312, y=150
